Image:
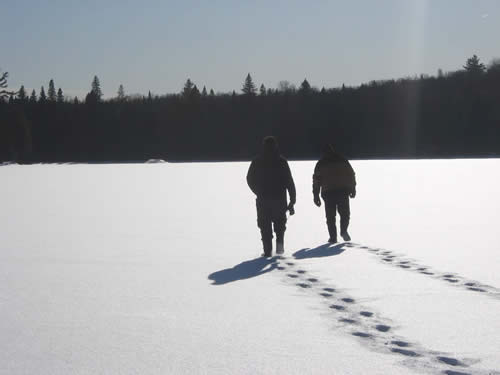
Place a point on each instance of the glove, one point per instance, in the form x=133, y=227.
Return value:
x=317, y=201
x=291, y=209
x=353, y=193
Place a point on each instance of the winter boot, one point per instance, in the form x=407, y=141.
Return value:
x=280, y=244
x=345, y=236
x=268, y=247
x=332, y=231
x=280, y=248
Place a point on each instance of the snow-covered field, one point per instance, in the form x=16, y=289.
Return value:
x=155, y=269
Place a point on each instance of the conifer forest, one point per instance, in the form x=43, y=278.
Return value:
x=451, y=114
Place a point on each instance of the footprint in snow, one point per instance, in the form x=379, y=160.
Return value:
x=451, y=361
x=337, y=307
x=408, y=353
x=326, y=295
x=330, y=290
x=304, y=285
x=382, y=328
x=348, y=300
x=301, y=271
x=451, y=372
x=293, y=276
x=477, y=289
x=313, y=280
x=368, y=314
x=361, y=334
x=348, y=321
x=401, y=344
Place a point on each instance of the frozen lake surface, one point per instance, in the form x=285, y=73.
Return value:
x=155, y=269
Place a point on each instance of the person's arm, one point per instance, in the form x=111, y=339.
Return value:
x=290, y=185
x=316, y=185
x=352, y=194
x=252, y=177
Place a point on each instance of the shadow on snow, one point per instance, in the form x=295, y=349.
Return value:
x=259, y=266
x=244, y=270
x=326, y=250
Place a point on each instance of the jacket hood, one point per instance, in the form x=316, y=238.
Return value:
x=270, y=148
x=329, y=153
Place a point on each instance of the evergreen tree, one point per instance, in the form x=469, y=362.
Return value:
x=60, y=96
x=249, y=87
x=91, y=98
x=3, y=85
x=204, y=92
x=195, y=93
x=473, y=66
x=33, y=96
x=188, y=88
x=21, y=95
x=51, y=93
x=150, y=98
x=262, y=90
x=76, y=101
x=121, y=93
x=305, y=88
x=96, y=88
x=212, y=93
x=43, y=97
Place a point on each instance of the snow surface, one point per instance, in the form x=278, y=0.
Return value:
x=155, y=269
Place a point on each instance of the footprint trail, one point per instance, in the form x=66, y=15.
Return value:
x=371, y=328
x=392, y=259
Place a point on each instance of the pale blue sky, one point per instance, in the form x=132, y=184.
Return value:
x=156, y=45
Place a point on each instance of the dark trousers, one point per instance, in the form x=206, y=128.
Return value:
x=336, y=201
x=271, y=212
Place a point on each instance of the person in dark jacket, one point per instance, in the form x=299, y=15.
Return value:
x=269, y=177
x=335, y=179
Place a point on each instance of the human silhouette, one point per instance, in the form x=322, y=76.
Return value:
x=269, y=177
x=335, y=179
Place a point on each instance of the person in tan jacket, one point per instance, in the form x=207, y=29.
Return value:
x=335, y=179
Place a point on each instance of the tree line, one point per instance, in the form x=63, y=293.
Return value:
x=454, y=114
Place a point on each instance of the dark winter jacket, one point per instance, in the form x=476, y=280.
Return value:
x=269, y=177
x=333, y=173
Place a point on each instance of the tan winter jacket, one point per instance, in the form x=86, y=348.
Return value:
x=333, y=174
